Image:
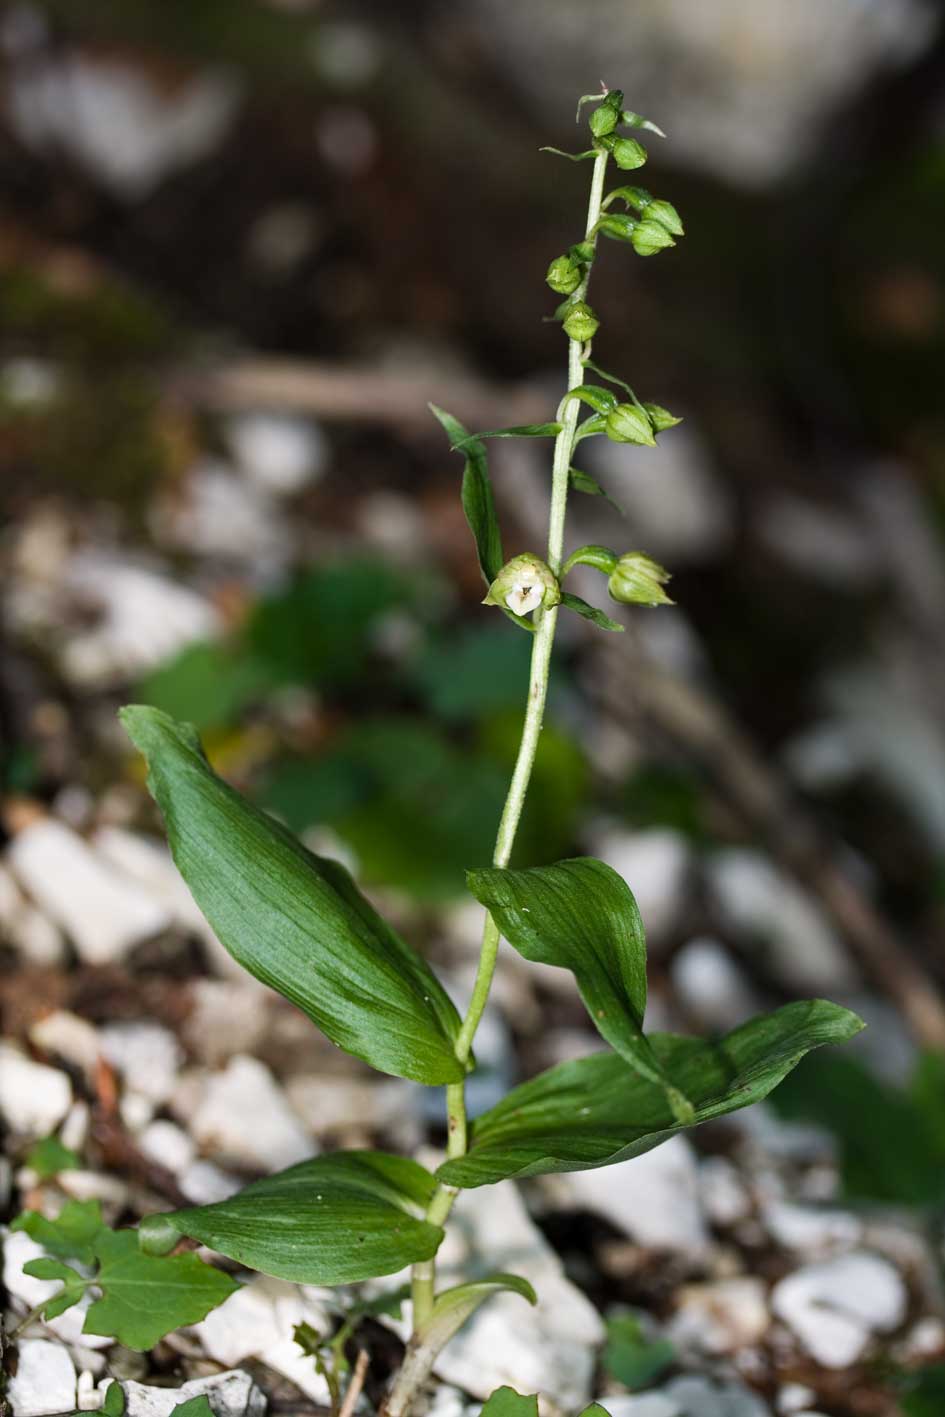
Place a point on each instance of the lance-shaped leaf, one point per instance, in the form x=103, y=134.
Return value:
x=450, y=1311
x=142, y=1297
x=580, y=915
x=580, y=481
x=333, y=1220
x=603, y=400
x=295, y=921
x=597, y=1111
x=520, y=430
x=478, y=501
x=588, y=612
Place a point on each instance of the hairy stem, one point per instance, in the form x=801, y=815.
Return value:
x=424, y=1275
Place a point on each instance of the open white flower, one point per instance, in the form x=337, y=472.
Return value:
x=524, y=584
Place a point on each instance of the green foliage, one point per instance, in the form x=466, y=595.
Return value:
x=479, y=672
x=294, y=920
x=597, y=1111
x=48, y=1157
x=477, y=498
x=453, y=1307
x=924, y=1394
x=141, y=1297
x=71, y=1235
x=334, y=1220
x=506, y=1402
x=417, y=808
x=589, y=612
x=631, y=1357
x=580, y=915
x=208, y=684
x=892, y=1141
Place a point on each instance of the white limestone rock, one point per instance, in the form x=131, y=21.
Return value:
x=168, y=1145
x=103, y=913
x=244, y=1117
x=232, y=1394
x=549, y=1349
x=257, y=1322
x=812, y=1230
x=722, y=1317
x=655, y=1198
x=146, y=1055
x=34, y=1098
x=767, y=910
x=279, y=452
x=45, y=1379
x=656, y=864
x=711, y=986
x=836, y=1306
x=65, y=1035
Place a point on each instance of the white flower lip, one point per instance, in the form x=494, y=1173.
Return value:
x=526, y=594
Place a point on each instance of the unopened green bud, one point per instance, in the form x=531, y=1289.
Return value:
x=617, y=225
x=638, y=580
x=649, y=237
x=628, y=154
x=523, y=584
x=604, y=120
x=661, y=418
x=564, y=275
x=666, y=214
x=582, y=252
x=581, y=323
x=629, y=424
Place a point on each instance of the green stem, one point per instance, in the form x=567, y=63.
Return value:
x=424, y=1275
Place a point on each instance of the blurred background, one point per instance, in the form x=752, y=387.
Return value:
x=241, y=246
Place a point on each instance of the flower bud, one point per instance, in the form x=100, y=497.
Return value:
x=617, y=225
x=581, y=323
x=604, y=120
x=628, y=154
x=629, y=424
x=523, y=584
x=661, y=418
x=638, y=580
x=564, y=275
x=666, y=214
x=649, y=237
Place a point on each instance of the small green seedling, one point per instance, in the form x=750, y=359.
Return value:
x=298, y=922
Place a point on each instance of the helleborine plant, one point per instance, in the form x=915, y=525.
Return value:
x=299, y=923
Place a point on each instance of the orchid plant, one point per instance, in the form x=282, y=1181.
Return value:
x=298, y=923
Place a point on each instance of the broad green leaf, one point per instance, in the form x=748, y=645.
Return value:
x=506, y=1402
x=597, y=1111
x=631, y=1357
x=594, y=1409
x=583, y=482
x=142, y=1297
x=454, y=1306
x=195, y=1407
x=71, y=1235
x=478, y=501
x=589, y=612
x=580, y=915
x=293, y=920
x=333, y=1220
x=48, y=1157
